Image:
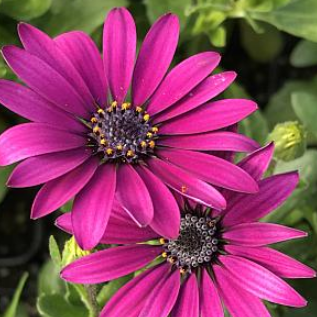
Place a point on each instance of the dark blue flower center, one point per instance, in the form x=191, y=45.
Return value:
x=122, y=133
x=197, y=243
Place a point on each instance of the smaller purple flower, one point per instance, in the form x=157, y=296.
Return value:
x=120, y=126
x=219, y=257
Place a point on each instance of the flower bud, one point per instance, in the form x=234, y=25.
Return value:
x=72, y=251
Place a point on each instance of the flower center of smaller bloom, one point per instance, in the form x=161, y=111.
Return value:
x=197, y=243
x=122, y=133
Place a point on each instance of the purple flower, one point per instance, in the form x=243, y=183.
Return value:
x=218, y=257
x=89, y=142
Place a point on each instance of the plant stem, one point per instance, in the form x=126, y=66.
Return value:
x=92, y=300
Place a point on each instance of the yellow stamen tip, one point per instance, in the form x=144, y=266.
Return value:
x=109, y=151
x=138, y=109
x=130, y=153
x=146, y=117
x=164, y=255
x=103, y=142
x=183, y=271
x=100, y=111
x=155, y=129
x=143, y=144
x=119, y=147
x=152, y=144
x=93, y=120
x=114, y=104
x=96, y=129
x=149, y=134
x=126, y=106
x=162, y=241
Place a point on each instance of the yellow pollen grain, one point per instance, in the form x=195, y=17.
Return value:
x=96, y=129
x=146, y=117
x=152, y=144
x=100, y=111
x=109, y=151
x=103, y=142
x=119, y=147
x=93, y=120
x=126, y=106
x=164, y=255
x=114, y=104
x=138, y=109
x=149, y=134
x=184, y=189
x=162, y=241
x=130, y=153
x=155, y=129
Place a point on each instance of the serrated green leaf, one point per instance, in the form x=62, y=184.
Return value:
x=55, y=252
x=55, y=305
x=297, y=17
x=77, y=15
x=304, y=54
x=305, y=107
x=24, y=10
x=12, y=309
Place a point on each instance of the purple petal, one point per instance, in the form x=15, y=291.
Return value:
x=211, y=169
x=210, y=302
x=162, y=299
x=57, y=192
x=182, y=79
x=45, y=80
x=85, y=56
x=238, y=302
x=273, y=191
x=186, y=184
x=209, y=117
x=205, y=91
x=92, y=207
x=32, y=106
x=129, y=300
x=134, y=195
x=261, y=282
x=166, y=220
x=42, y=46
x=277, y=262
x=119, y=45
x=211, y=141
x=187, y=304
x=31, y=139
x=259, y=234
x=43, y=168
x=110, y=264
x=155, y=56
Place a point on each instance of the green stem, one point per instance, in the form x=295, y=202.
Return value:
x=92, y=300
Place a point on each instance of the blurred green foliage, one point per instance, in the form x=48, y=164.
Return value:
x=268, y=34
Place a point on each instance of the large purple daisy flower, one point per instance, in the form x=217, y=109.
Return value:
x=90, y=140
x=218, y=257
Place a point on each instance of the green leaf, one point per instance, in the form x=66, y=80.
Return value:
x=55, y=252
x=111, y=288
x=55, y=305
x=24, y=10
x=297, y=17
x=4, y=174
x=156, y=8
x=77, y=15
x=262, y=47
x=305, y=107
x=304, y=54
x=12, y=309
x=49, y=281
x=218, y=36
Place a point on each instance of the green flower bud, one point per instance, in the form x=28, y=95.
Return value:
x=289, y=139
x=72, y=251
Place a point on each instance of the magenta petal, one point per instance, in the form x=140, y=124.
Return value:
x=64, y=222
x=119, y=46
x=84, y=55
x=182, y=79
x=129, y=300
x=162, y=299
x=31, y=139
x=57, y=192
x=211, y=141
x=205, y=91
x=239, y=303
x=187, y=304
x=42, y=46
x=166, y=220
x=277, y=262
x=258, y=162
x=32, y=106
x=261, y=282
x=92, y=207
x=210, y=303
x=210, y=116
x=186, y=184
x=273, y=191
x=211, y=169
x=155, y=56
x=110, y=264
x=43, y=168
x=134, y=195
x=45, y=80
x=259, y=234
